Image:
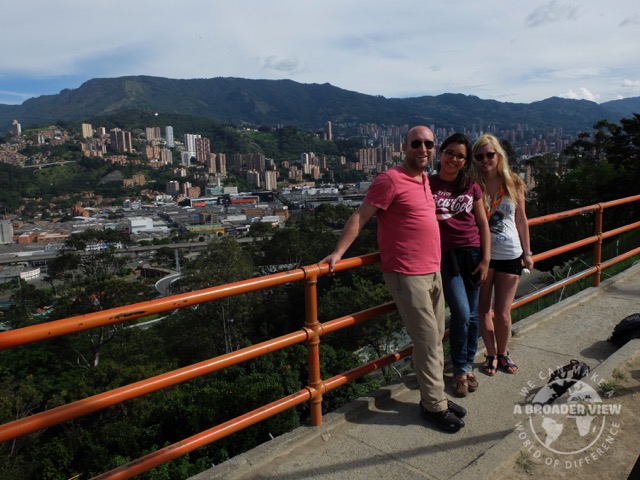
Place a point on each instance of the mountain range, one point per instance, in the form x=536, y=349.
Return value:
x=285, y=102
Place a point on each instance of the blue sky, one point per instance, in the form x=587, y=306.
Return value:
x=507, y=50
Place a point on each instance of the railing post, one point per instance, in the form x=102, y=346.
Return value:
x=597, y=247
x=312, y=325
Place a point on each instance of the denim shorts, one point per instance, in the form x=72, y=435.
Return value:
x=513, y=267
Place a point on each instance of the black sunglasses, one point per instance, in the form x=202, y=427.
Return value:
x=418, y=143
x=480, y=156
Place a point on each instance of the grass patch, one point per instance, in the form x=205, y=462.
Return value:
x=618, y=374
x=608, y=388
x=525, y=462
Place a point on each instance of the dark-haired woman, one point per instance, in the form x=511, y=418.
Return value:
x=465, y=242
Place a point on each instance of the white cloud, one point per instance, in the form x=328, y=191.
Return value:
x=581, y=94
x=554, y=11
x=289, y=65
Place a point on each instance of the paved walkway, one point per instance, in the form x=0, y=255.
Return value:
x=384, y=437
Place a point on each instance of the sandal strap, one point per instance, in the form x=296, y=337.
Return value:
x=489, y=368
x=507, y=361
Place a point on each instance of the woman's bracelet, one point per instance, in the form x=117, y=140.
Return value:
x=528, y=253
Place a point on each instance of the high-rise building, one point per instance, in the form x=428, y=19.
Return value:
x=249, y=161
x=253, y=177
x=152, y=134
x=173, y=188
x=87, y=130
x=152, y=152
x=168, y=130
x=16, y=128
x=190, y=141
x=166, y=156
x=120, y=140
x=270, y=180
x=210, y=164
x=328, y=135
x=186, y=158
x=221, y=164
x=203, y=150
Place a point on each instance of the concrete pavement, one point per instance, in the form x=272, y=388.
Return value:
x=384, y=437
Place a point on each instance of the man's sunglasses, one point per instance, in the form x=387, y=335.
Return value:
x=418, y=143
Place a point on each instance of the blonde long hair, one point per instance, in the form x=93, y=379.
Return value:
x=514, y=186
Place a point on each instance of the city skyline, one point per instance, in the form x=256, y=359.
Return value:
x=507, y=51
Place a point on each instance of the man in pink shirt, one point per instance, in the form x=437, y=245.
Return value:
x=409, y=243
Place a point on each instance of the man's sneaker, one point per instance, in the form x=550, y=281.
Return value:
x=445, y=420
x=457, y=409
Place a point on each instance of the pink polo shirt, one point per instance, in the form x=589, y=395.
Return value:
x=408, y=233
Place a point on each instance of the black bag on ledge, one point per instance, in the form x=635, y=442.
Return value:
x=627, y=329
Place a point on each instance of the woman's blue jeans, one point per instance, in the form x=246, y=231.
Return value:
x=461, y=295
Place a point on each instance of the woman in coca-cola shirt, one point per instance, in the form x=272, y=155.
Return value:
x=466, y=251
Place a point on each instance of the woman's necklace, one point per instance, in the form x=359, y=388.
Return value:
x=495, y=201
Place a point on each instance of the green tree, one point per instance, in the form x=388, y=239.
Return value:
x=27, y=301
x=260, y=230
x=213, y=328
x=380, y=335
x=93, y=296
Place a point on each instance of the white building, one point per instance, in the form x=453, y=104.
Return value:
x=169, y=134
x=140, y=224
x=186, y=157
x=190, y=142
x=23, y=273
x=6, y=232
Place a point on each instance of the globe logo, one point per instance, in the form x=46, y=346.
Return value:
x=567, y=416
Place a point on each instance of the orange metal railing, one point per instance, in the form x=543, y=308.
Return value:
x=310, y=334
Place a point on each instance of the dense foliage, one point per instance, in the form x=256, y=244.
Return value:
x=596, y=168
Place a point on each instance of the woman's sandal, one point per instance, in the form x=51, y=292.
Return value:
x=506, y=364
x=489, y=368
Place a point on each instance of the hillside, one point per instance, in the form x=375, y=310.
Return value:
x=285, y=102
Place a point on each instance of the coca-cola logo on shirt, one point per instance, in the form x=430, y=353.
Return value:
x=448, y=207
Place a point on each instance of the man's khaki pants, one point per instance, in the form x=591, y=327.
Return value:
x=420, y=302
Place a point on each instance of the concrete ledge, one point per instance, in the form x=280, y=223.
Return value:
x=505, y=451
x=539, y=319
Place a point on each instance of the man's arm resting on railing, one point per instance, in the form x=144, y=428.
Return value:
x=350, y=232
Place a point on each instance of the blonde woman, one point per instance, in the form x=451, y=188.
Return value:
x=505, y=203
